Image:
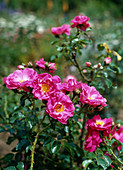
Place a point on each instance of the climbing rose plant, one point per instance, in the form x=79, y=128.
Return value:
x=59, y=123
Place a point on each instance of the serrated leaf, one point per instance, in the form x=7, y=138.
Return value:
x=20, y=166
x=86, y=163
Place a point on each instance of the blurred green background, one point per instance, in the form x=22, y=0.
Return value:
x=25, y=35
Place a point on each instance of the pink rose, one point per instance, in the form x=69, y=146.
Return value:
x=60, y=30
x=107, y=60
x=92, y=140
x=91, y=96
x=71, y=85
x=80, y=22
x=60, y=107
x=65, y=80
x=20, y=67
x=21, y=79
x=88, y=64
x=52, y=67
x=45, y=85
x=84, y=71
x=41, y=63
x=97, y=123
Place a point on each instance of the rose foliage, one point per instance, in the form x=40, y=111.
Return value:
x=60, y=124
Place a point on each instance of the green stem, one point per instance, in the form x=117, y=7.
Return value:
x=83, y=130
x=5, y=109
x=82, y=75
x=116, y=157
x=34, y=146
x=33, y=150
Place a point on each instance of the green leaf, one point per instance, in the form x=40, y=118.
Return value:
x=47, y=140
x=53, y=57
x=20, y=166
x=10, y=140
x=102, y=163
x=91, y=155
x=10, y=168
x=108, y=83
x=99, y=151
x=69, y=149
x=8, y=157
x=66, y=129
x=53, y=42
x=107, y=159
x=86, y=163
x=22, y=143
x=55, y=147
x=18, y=156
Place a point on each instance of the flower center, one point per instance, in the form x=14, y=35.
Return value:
x=21, y=81
x=91, y=98
x=59, y=108
x=45, y=88
x=100, y=123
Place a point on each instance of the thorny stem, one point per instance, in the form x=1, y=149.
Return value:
x=83, y=130
x=34, y=146
x=5, y=109
x=116, y=157
x=33, y=150
x=113, y=154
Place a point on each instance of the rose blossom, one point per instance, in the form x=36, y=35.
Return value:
x=99, y=124
x=91, y=96
x=60, y=107
x=60, y=30
x=71, y=85
x=65, y=80
x=84, y=71
x=21, y=79
x=41, y=63
x=45, y=85
x=119, y=136
x=88, y=64
x=51, y=67
x=92, y=140
x=80, y=22
x=20, y=67
x=107, y=60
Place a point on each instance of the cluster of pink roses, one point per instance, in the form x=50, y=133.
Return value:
x=47, y=87
x=80, y=22
x=97, y=126
x=94, y=127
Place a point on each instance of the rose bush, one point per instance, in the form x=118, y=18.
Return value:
x=57, y=124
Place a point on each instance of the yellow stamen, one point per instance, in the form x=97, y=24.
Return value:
x=59, y=108
x=90, y=98
x=100, y=123
x=45, y=88
x=21, y=81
